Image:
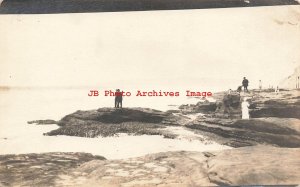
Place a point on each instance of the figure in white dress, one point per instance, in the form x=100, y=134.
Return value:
x=245, y=109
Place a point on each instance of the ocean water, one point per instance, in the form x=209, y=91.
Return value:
x=17, y=106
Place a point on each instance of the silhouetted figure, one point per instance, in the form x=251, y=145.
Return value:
x=245, y=84
x=118, y=99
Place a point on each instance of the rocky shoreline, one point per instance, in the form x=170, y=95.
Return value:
x=221, y=120
x=266, y=148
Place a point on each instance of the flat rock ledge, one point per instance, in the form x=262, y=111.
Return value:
x=251, y=165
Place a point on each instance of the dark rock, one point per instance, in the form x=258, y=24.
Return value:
x=283, y=112
x=205, y=107
x=112, y=115
x=240, y=133
x=285, y=104
x=111, y=121
x=229, y=106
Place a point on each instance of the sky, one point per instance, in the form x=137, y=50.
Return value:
x=159, y=49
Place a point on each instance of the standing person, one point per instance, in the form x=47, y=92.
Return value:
x=118, y=99
x=245, y=84
x=245, y=109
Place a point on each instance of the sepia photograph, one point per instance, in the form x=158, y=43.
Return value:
x=186, y=94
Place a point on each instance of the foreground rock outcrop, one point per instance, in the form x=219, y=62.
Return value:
x=39, y=169
x=241, y=166
x=255, y=165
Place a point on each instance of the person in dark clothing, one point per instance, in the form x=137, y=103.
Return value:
x=118, y=99
x=245, y=84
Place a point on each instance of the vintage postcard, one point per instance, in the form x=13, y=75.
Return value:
x=149, y=93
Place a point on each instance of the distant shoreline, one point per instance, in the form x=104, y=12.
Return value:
x=41, y=87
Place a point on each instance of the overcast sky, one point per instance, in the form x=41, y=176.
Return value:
x=215, y=47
